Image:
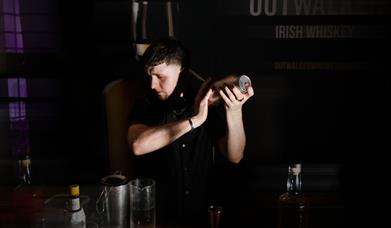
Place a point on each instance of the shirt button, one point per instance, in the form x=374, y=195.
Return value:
x=183, y=145
x=187, y=192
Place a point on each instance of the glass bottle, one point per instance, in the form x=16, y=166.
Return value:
x=214, y=216
x=152, y=19
x=25, y=170
x=74, y=212
x=139, y=29
x=293, y=204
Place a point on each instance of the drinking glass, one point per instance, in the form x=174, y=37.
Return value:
x=142, y=203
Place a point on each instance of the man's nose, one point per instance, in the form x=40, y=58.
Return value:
x=153, y=82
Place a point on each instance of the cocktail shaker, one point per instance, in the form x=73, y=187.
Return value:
x=241, y=82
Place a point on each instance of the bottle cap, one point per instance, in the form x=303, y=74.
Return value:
x=74, y=190
x=26, y=161
x=295, y=168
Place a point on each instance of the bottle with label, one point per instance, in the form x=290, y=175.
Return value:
x=74, y=212
x=293, y=205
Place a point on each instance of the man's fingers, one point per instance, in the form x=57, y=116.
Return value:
x=210, y=91
x=224, y=96
x=230, y=94
x=208, y=94
x=238, y=95
x=250, y=91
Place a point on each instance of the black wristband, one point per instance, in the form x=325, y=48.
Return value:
x=191, y=124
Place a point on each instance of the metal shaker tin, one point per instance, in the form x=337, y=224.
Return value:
x=243, y=83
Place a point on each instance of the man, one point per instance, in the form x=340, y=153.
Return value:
x=175, y=131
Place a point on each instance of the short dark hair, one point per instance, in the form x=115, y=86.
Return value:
x=165, y=50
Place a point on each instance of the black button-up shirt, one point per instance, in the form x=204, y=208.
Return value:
x=181, y=169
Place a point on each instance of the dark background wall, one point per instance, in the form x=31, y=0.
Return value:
x=321, y=94
x=318, y=94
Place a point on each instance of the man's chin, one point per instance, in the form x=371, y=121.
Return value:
x=161, y=97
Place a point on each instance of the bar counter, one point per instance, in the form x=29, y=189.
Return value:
x=43, y=206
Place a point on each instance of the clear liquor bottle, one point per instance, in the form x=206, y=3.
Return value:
x=293, y=205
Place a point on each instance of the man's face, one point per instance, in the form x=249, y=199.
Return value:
x=164, y=79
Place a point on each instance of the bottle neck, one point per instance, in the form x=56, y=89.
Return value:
x=24, y=167
x=294, y=182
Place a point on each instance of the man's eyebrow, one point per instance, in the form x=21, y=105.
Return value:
x=158, y=75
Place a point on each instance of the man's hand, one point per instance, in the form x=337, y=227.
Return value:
x=234, y=99
x=201, y=104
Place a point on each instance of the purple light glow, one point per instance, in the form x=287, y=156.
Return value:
x=17, y=87
x=12, y=26
x=19, y=125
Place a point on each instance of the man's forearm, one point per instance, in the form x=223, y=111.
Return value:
x=144, y=139
x=236, y=138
